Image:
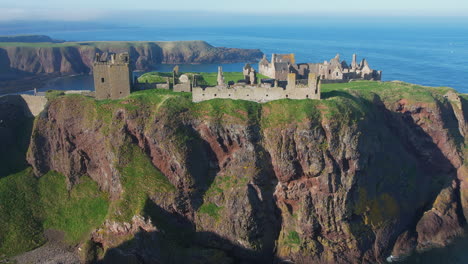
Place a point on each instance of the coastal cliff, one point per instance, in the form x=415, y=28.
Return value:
x=76, y=57
x=373, y=169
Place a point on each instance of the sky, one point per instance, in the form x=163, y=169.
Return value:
x=86, y=10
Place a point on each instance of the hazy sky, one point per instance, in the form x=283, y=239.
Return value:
x=90, y=9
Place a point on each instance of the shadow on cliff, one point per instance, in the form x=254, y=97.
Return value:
x=177, y=241
x=405, y=163
x=331, y=94
x=16, y=122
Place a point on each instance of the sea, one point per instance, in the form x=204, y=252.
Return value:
x=432, y=54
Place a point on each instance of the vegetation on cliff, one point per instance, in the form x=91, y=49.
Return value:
x=308, y=180
x=28, y=206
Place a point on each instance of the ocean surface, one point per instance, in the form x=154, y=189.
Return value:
x=432, y=55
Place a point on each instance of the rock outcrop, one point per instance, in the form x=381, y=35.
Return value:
x=350, y=179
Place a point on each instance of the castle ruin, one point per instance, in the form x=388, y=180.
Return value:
x=264, y=92
x=334, y=70
x=112, y=79
x=112, y=75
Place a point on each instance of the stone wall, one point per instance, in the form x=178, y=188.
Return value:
x=253, y=93
x=32, y=105
x=147, y=86
x=183, y=87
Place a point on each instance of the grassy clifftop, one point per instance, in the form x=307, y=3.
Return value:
x=170, y=124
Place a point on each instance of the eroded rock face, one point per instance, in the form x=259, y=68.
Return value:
x=317, y=190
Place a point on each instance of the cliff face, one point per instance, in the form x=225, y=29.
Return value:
x=76, y=58
x=351, y=179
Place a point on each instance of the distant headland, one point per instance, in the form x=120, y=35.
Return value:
x=33, y=57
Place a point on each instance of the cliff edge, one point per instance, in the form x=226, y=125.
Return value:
x=372, y=170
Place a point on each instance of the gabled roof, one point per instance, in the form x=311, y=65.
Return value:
x=288, y=58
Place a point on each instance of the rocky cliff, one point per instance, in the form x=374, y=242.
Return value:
x=373, y=169
x=76, y=57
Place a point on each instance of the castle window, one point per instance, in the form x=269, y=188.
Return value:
x=287, y=96
x=307, y=96
x=203, y=94
x=329, y=71
x=102, y=80
x=336, y=74
x=267, y=95
x=229, y=94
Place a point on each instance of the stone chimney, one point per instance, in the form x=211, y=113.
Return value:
x=312, y=80
x=291, y=81
x=220, y=76
x=354, y=63
x=253, y=77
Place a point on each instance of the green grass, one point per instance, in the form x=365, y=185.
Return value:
x=220, y=109
x=155, y=77
x=28, y=206
x=225, y=182
x=20, y=214
x=293, y=238
x=210, y=209
x=76, y=212
x=140, y=180
x=203, y=78
x=285, y=111
x=386, y=90
x=52, y=94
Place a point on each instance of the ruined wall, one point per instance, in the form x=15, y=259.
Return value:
x=183, y=87
x=253, y=93
x=147, y=86
x=32, y=105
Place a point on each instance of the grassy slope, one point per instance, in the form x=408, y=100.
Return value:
x=28, y=205
x=20, y=225
x=140, y=180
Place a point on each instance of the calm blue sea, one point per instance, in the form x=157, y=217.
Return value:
x=432, y=55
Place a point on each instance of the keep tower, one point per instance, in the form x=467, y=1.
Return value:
x=112, y=75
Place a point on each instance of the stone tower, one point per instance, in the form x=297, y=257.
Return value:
x=220, y=76
x=354, y=63
x=112, y=75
